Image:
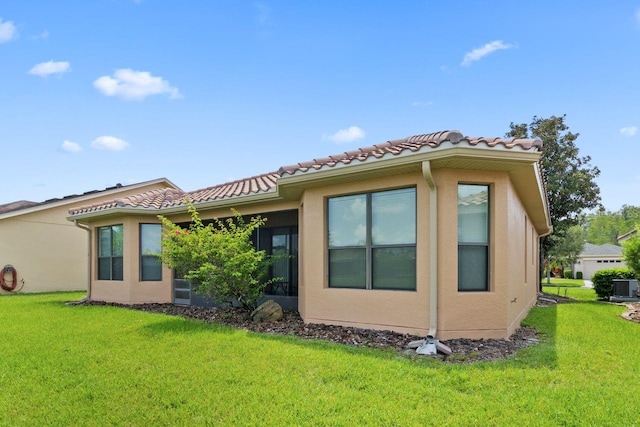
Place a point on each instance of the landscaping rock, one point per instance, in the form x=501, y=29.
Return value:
x=268, y=311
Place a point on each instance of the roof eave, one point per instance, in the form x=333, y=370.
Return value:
x=227, y=202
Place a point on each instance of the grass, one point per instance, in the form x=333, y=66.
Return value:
x=98, y=365
x=564, y=282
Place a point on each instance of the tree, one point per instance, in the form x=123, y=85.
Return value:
x=631, y=254
x=219, y=258
x=569, y=178
x=567, y=249
x=605, y=227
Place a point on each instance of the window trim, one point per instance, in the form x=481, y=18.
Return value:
x=486, y=244
x=141, y=255
x=369, y=246
x=110, y=257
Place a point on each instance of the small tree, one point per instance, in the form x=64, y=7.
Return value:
x=219, y=258
x=631, y=254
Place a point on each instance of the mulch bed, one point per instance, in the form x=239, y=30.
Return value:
x=463, y=350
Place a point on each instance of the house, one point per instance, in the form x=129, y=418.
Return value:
x=48, y=252
x=598, y=257
x=433, y=234
x=627, y=236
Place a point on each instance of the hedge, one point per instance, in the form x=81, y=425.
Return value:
x=603, y=279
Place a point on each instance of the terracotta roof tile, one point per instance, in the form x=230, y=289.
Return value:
x=412, y=144
x=168, y=197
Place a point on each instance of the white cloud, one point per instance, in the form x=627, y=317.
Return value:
x=7, y=31
x=629, y=131
x=350, y=134
x=42, y=36
x=264, y=13
x=130, y=84
x=480, y=52
x=70, y=147
x=638, y=16
x=110, y=143
x=421, y=103
x=45, y=69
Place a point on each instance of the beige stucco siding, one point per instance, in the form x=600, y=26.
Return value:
x=403, y=311
x=489, y=313
x=132, y=290
x=48, y=251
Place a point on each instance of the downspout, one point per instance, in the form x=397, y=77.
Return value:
x=433, y=249
x=88, y=230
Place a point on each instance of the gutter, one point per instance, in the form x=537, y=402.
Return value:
x=433, y=248
x=88, y=230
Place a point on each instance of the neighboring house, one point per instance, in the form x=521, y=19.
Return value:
x=433, y=234
x=48, y=252
x=628, y=235
x=598, y=257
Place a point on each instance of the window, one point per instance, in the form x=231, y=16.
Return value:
x=372, y=240
x=150, y=245
x=110, y=250
x=473, y=237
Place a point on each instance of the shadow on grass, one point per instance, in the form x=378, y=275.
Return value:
x=539, y=355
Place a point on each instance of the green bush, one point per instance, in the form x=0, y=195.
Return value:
x=568, y=274
x=579, y=275
x=219, y=258
x=603, y=279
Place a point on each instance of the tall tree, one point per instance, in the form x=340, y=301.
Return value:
x=569, y=177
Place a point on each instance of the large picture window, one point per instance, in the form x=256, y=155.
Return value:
x=372, y=240
x=150, y=245
x=110, y=251
x=473, y=237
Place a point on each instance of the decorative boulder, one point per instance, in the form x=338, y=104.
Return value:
x=267, y=311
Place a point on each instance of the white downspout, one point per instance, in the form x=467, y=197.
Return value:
x=433, y=249
x=88, y=230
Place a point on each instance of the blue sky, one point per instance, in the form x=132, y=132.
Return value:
x=94, y=93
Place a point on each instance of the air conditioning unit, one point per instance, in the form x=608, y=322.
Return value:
x=624, y=290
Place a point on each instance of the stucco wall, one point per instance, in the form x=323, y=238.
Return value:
x=49, y=252
x=131, y=290
x=495, y=313
x=403, y=311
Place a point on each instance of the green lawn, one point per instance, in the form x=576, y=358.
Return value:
x=564, y=282
x=98, y=365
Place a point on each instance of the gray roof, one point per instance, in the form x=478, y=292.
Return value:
x=606, y=249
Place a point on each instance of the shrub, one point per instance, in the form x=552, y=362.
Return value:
x=603, y=279
x=568, y=274
x=219, y=258
x=579, y=275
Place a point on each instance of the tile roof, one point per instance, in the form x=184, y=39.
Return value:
x=167, y=198
x=413, y=144
x=24, y=204
x=14, y=206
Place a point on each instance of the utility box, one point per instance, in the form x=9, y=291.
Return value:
x=624, y=290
